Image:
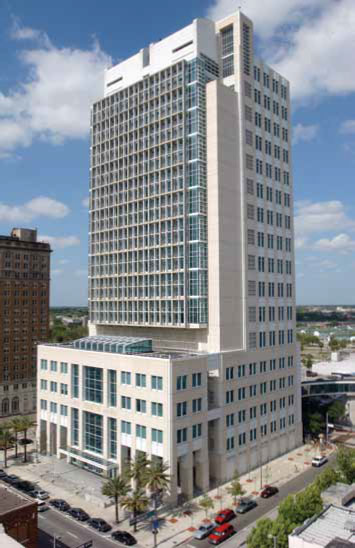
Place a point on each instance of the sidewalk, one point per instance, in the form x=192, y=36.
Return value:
x=83, y=489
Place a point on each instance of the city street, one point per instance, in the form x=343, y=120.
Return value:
x=71, y=532
x=265, y=506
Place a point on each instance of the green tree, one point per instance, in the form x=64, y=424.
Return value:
x=346, y=464
x=336, y=411
x=137, y=470
x=308, y=361
x=135, y=503
x=116, y=488
x=308, y=503
x=328, y=477
x=261, y=535
x=333, y=344
x=25, y=424
x=6, y=440
x=16, y=427
x=206, y=503
x=235, y=489
x=316, y=423
x=281, y=529
x=157, y=479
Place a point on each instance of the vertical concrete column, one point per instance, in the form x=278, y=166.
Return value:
x=202, y=469
x=58, y=433
x=186, y=472
x=48, y=436
x=105, y=437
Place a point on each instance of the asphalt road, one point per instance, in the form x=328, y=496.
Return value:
x=266, y=505
x=71, y=532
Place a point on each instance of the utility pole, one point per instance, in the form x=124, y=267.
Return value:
x=326, y=428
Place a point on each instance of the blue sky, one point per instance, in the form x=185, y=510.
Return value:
x=52, y=56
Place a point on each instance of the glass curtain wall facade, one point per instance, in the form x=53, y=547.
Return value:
x=148, y=224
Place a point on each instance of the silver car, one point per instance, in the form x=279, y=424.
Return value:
x=40, y=494
x=204, y=530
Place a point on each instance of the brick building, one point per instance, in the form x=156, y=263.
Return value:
x=18, y=516
x=24, y=317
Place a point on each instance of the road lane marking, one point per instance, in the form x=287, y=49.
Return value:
x=72, y=534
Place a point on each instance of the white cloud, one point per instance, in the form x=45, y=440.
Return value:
x=347, y=127
x=309, y=42
x=304, y=133
x=56, y=271
x=60, y=241
x=342, y=243
x=85, y=201
x=316, y=217
x=63, y=261
x=53, y=102
x=42, y=206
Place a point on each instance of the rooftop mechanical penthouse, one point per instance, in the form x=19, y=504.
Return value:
x=191, y=263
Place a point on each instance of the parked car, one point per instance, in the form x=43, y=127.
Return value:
x=42, y=506
x=39, y=494
x=60, y=504
x=79, y=514
x=319, y=460
x=204, y=530
x=246, y=505
x=224, y=516
x=99, y=524
x=25, y=486
x=124, y=538
x=221, y=533
x=2, y=474
x=268, y=491
x=12, y=479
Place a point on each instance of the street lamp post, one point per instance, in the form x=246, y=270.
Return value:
x=270, y=536
x=55, y=538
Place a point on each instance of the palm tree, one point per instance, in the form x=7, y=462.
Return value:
x=6, y=440
x=116, y=488
x=26, y=424
x=136, y=503
x=157, y=479
x=137, y=470
x=16, y=426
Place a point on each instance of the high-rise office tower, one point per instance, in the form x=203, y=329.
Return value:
x=191, y=265
x=24, y=317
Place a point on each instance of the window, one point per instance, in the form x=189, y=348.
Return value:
x=125, y=377
x=53, y=366
x=141, y=380
x=126, y=427
x=63, y=367
x=157, y=409
x=112, y=438
x=229, y=373
x=53, y=407
x=64, y=410
x=44, y=365
x=43, y=405
x=196, y=431
x=242, y=416
x=227, y=47
x=125, y=402
x=93, y=432
x=44, y=384
x=141, y=431
x=229, y=396
x=157, y=383
x=230, y=443
x=63, y=389
x=157, y=436
x=196, y=379
x=181, y=435
x=230, y=420
x=181, y=382
x=53, y=386
x=112, y=388
x=93, y=384
x=242, y=439
x=141, y=406
x=181, y=409
x=197, y=405
x=75, y=380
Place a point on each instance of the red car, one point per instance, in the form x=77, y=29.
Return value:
x=221, y=533
x=224, y=516
x=268, y=491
